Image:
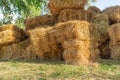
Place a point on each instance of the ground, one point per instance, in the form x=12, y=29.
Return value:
x=56, y=70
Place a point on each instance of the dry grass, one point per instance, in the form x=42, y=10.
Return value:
x=55, y=70
x=56, y=6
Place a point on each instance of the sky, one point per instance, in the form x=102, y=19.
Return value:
x=102, y=4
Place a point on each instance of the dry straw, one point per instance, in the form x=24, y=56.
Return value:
x=102, y=23
x=10, y=34
x=56, y=6
x=81, y=30
x=113, y=14
x=40, y=21
x=73, y=14
x=114, y=34
x=115, y=52
x=21, y=50
x=93, y=11
x=76, y=53
x=45, y=46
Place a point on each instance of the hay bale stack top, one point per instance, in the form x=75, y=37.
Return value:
x=10, y=34
x=40, y=21
x=113, y=14
x=56, y=6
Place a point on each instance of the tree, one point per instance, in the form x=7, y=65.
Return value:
x=20, y=8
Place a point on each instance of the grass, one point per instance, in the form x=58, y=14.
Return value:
x=56, y=70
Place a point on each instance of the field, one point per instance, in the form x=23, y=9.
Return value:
x=56, y=70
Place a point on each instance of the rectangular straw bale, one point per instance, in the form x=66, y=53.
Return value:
x=45, y=46
x=115, y=52
x=113, y=13
x=80, y=44
x=10, y=34
x=114, y=34
x=80, y=56
x=70, y=30
x=22, y=50
x=40, y=21
x=56, y=6
x=102, y=23
x=73, y=14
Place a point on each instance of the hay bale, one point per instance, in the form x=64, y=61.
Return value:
x=10, y=34
x=40, y=21
x=76, y=53
x=113, y=14
x=115, y=52
x=72, y=14
x=21, y=50
x=102, y=23
x=45, y=46
x=56, y=6
x=114, y=34
x=93, y=11
x=81, y=30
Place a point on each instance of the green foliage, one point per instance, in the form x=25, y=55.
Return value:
x=21, y=9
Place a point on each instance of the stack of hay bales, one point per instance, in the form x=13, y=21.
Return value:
x=68, y=9
x=13, y=44
x=21, y=50
x=10, y=34
x=114, y=33
x=73, y=38
x=102, y=23
x=79, y=40
x=113, y=14
x=40, y=21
